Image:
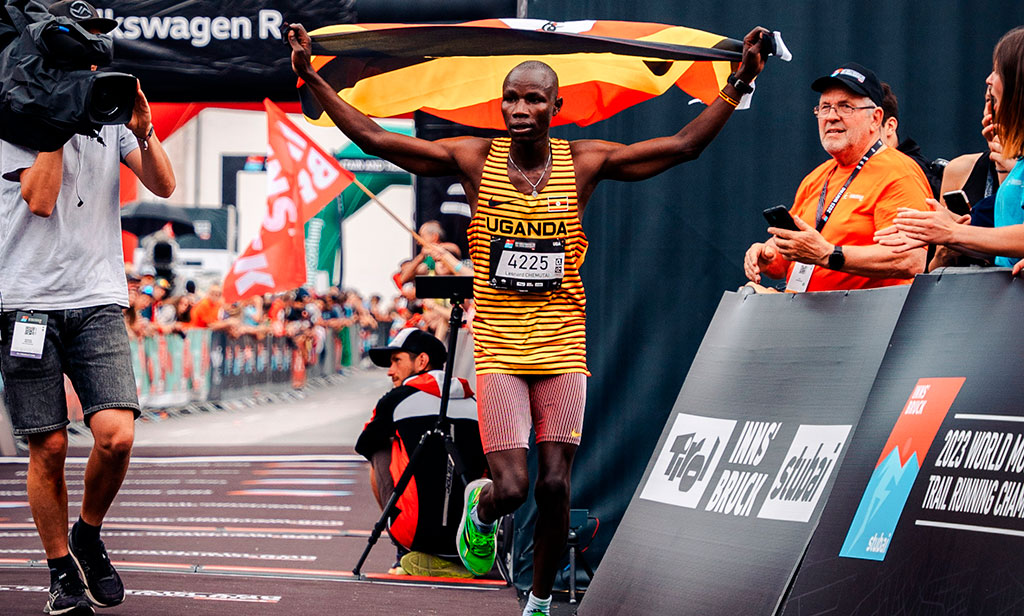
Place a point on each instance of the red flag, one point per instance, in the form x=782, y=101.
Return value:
x=301, y=179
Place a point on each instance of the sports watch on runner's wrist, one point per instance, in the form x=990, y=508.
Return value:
x=741, y=86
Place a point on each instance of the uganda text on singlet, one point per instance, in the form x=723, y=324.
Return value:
x=527, y=252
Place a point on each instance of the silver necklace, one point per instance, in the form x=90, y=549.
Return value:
x=533, y=185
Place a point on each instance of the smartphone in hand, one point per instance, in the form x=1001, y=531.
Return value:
x=779, y=216
x=957, y=202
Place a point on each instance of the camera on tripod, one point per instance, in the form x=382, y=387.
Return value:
x=49, y=91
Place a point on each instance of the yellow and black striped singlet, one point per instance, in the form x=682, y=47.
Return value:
x=521, y=332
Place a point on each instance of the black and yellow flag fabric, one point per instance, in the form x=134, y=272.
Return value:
x=456, y=71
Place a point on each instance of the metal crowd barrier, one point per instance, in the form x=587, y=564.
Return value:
x=177, y=371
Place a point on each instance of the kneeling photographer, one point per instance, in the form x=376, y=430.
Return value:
x=431, y=505
x=62, y=291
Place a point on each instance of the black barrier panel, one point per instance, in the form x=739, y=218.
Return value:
x=244, y=366
x=926, y=513
x=745, y=462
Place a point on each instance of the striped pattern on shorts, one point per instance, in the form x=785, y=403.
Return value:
x=508, y=404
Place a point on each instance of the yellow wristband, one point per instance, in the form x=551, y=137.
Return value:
x=725, y=97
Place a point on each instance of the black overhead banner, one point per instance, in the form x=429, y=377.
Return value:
x=748, y=455
x=927, y=513
x=192, y=50
x=202, y=51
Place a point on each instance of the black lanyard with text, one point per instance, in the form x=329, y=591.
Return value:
x=823, y=218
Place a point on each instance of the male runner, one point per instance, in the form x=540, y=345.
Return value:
x=527, y=193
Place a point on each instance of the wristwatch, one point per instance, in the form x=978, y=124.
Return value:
x=836, y=260
x=144, y=141
x=741, y=86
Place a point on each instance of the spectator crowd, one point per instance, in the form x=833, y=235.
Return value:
x=308, y=319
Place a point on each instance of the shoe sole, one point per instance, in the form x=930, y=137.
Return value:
x=465, y=519
x=85, y=582
x=435, y=567
x=81, y=609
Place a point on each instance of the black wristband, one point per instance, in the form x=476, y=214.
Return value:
x=741, y=86
x=144, y=142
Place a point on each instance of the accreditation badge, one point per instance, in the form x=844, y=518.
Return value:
x=800, y=278
x=29, y=335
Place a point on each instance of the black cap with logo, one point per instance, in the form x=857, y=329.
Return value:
x=413, y=341
x=84, y=14
x=853, y=77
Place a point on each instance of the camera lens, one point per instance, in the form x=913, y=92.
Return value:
x=104, y=103
x=111, y=98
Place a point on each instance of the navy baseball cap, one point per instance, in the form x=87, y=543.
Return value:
x=853, y=77
x=413, y=341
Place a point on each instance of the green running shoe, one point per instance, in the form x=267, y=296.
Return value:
x=476, y=548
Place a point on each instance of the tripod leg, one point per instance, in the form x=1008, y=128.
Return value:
x=389, y=507
x=459, y=467
x=572, y=574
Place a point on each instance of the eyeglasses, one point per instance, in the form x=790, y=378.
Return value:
x=844, y=110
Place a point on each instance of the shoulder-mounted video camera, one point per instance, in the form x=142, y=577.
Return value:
x=48, y=90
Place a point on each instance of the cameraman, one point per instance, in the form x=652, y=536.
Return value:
x=62, y=290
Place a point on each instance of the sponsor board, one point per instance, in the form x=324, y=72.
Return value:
x=748, y=456
x=687, y=462
x=810, y=461
x=687, y=472
x=897, y=468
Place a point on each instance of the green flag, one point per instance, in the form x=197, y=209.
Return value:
x=323, y=231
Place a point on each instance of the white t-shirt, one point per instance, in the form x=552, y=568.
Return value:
x=73, y=259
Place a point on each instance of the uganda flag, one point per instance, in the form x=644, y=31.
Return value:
x=456, y=71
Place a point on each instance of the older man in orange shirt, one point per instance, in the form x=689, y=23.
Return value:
x=841, y=204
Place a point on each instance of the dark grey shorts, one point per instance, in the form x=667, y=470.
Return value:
x=90, y=345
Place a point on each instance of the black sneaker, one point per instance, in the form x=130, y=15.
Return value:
x=67, y=595
x=102, y=584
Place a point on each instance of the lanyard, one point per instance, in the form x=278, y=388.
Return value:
x=823, y=218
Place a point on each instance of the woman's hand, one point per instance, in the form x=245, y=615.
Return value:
x=938, y=226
